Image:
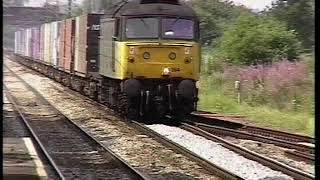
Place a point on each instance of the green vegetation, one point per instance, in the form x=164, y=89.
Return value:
x=214, y=16
x=216, y=98
x=253, y=39
x=264, y=52
x=299, y=16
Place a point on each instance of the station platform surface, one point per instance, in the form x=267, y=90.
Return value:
x=21, y=161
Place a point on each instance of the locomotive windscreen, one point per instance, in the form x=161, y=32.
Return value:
x=172, y=28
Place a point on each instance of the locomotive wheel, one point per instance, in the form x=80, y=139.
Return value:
x=184, y=109
x=127, y=108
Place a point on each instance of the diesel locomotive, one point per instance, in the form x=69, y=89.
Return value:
x=141, y=57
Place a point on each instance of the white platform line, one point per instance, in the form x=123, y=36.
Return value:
x=39, y=166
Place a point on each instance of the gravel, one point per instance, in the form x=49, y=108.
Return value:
x=219, y=155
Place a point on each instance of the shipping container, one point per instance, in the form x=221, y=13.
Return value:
x=19, y=43
x=42, y=29
x=62, y=30
x=16, y=42
x=87, y=45
x=29, y=42
x=54, y=41
x=35, y=39
x=23, y=42
x=69, y=45
x=26, y=41
x=47, y=46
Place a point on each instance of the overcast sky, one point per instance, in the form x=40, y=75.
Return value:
x=253, y=4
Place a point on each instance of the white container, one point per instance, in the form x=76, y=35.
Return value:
x=54, y=41
x=47, y=46
x=16, y=42
x=29, y=43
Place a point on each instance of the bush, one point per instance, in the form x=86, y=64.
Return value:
x=276, y=85
x=255, y=39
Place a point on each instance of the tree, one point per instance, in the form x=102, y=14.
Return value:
x=214, y=16
x=254, y=39
x=299, y=16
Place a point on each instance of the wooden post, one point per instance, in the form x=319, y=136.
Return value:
x=237, y=86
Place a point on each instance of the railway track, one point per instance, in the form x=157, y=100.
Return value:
x=97, y=133
x=221, y=131
x=73, y=153
x=275, y=165
x=218, y=125
x=218, y=120
x=206, y=164
x=221, y=172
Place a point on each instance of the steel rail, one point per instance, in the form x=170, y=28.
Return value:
x=135, y=172
x=207, y=165
x=246, y=135
x=309, y=158
x=178, y=148
x=217, y=120
x=33, y=134
x=275, y=165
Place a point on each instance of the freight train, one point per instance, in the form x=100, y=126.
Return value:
x=141, y=57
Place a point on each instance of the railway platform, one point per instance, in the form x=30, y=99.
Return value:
x=21, y=161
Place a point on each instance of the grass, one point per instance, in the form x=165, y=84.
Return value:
x=294, y=122
x=217, y=95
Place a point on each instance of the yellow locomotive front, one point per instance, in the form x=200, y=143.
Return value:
x=156, y=57
x=171, y=53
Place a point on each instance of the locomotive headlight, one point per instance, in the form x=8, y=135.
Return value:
x=166, y=72
x=187, y=60
x=146, y=55
x=172, y=56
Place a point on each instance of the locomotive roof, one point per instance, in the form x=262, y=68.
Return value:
x=139, y=8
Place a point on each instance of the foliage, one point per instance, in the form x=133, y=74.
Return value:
x=299, y=16
x=267, y=93
x=296, y=122
x=253, y=39
x=214, y=16
x=277, y=85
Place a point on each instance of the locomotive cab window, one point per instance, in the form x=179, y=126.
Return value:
x=170, y=28
x=174, y=28
x=142, y=28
